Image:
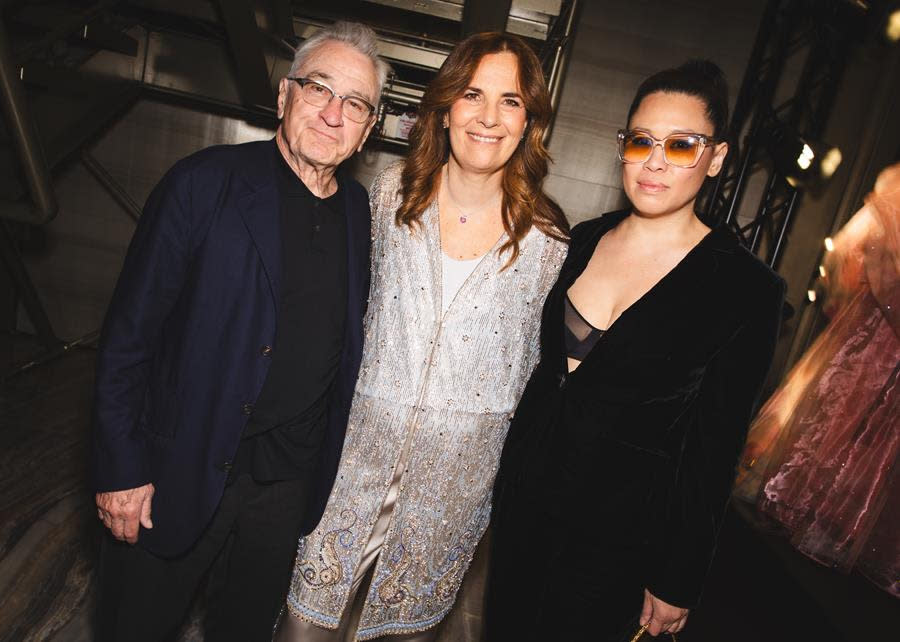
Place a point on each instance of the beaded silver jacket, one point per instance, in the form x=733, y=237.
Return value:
x=447, y=382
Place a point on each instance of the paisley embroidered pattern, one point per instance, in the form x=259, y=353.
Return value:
x=392, y=591
x=446, y=586
x=331, y=570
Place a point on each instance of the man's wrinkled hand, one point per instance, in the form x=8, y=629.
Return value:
x=123, y=512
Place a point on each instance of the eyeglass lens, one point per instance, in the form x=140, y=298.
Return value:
x=320, y=95
x=679, y=150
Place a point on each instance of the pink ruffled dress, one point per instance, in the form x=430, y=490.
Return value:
x=822, y=455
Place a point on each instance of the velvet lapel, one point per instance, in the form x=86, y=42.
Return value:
x=585, y=250
x=682, y=283
x=576, y=261
x=259, y=208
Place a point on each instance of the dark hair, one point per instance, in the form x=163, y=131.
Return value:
x=701, y=78
x=524, y=201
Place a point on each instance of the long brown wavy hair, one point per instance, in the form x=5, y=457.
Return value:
x=524, y=201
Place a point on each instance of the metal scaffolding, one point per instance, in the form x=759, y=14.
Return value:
x=815, y=37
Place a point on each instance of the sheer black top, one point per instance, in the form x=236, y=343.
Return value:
x=580, y=334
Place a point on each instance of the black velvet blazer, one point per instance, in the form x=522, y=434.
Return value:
x=638, y=445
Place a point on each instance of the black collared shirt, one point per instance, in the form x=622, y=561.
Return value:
x=287, y=423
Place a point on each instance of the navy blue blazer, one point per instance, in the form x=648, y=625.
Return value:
x=181, y=349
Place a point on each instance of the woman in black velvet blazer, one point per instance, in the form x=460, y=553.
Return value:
x=656, y=340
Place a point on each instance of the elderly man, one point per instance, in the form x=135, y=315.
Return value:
x=228, y=359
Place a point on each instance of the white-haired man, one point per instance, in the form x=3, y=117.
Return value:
x=228, y=359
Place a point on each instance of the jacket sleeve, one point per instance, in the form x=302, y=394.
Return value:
x=695, y=503
x=152, y=277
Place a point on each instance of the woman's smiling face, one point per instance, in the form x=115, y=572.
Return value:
x=487, y=122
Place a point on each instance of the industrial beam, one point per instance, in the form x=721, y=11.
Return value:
x=111, y=185
x=90, y=30
x=283, y=19
x=246, y=45
x=24, y=135
x=99, y=35
x=485, y=16
x=67, y=27
x=15, y=267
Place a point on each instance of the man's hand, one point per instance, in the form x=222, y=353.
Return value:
x=660, y=617
x=124, y=511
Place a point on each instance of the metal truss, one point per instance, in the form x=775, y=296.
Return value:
x=817, y=36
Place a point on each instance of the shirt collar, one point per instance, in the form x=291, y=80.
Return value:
x=291, y=185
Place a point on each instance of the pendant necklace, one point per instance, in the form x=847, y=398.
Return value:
x=464, y=216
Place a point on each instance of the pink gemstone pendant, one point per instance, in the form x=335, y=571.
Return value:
x=462, y=219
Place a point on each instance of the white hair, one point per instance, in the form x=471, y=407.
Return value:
x=354, y=34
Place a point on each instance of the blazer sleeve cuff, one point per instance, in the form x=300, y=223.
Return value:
x=680, y=589
x=121, y=469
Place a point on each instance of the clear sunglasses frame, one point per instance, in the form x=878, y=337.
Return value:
x=702, y=141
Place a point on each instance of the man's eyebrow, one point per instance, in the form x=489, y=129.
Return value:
x=321, y=75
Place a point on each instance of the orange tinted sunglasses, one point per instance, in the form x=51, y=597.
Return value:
x=680, y=150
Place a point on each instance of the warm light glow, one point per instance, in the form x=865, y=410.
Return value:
x=805, y=159
x=822, y=271
x=811, y=295
x=831, y=162
x=829, y=244
x=791, y=181
x=892, y=30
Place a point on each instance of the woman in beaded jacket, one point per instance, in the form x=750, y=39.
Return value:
x=465, y=247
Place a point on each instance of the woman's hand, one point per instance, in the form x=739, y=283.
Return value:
x=660, y=617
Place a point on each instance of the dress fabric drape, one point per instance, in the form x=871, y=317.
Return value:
x=615, y=476
x=446, y=385
x=822, y=455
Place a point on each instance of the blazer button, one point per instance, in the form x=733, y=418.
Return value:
x=226, y=466
x=247, y=408
x=265, y=351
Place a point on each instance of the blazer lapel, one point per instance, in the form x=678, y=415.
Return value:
x=697, y=269
x=260, y=211
x=576, y=262
x=358, y=233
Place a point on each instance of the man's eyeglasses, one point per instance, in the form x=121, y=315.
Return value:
x=318, y=95
x=680, y=150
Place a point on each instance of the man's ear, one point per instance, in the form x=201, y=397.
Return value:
x=284, y=87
